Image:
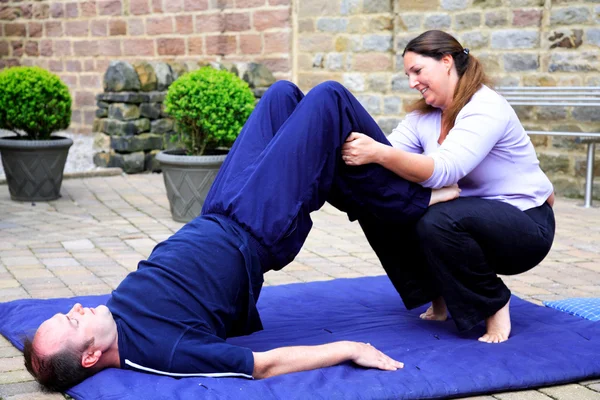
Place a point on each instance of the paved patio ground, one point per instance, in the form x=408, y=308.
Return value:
x=87, y=241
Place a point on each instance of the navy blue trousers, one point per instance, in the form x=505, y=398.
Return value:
x=457, y=249
x=287, y=162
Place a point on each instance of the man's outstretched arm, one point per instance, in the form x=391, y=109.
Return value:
x=284, y=360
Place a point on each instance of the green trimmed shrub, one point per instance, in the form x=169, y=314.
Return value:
x=34, y=101
x=210, y=107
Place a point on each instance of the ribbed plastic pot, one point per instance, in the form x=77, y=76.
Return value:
x=188, y=179
x=34, y=168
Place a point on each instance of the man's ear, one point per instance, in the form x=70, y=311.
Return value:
x=90, y=357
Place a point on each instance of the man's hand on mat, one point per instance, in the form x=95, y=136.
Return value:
x=368, y=356
x=284, y=360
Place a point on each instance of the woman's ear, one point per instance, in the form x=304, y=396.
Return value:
x=448, y=62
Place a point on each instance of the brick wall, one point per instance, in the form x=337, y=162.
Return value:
x=78, y=39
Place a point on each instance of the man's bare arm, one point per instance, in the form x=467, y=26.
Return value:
x=284, y=360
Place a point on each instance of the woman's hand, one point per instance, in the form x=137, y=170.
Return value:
x=368, y=356
x=360, y=149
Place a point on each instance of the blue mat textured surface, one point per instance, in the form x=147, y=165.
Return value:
x=588, y=308
x=546, y=347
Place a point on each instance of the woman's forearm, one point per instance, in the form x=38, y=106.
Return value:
x=412, y=167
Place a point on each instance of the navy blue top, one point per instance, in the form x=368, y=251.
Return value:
x=197, y=288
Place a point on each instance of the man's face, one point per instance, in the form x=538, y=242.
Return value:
x=76, y=328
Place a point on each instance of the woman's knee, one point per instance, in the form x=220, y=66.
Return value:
x=436, y=223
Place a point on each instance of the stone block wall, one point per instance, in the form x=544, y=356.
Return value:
x=131, y=124
x=77, y=39
x=527, y=42
x=353, y=42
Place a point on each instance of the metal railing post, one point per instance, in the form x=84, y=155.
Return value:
x=589, y=175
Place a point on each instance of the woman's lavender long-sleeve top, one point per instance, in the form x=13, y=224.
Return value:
x=487, y=152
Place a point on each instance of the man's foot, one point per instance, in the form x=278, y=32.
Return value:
x=444, y=194
x=437, y=311
x=498, y=326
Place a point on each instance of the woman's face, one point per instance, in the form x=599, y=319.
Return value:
x=432, y=78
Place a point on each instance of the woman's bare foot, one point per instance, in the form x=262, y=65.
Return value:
x=498, y=326
x=437, y=311
x=444, y=194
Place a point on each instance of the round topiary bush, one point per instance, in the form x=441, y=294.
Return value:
x=210, y=107
x=35, y=101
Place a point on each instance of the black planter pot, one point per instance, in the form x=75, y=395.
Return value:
x=188, y=179
x=34, y=168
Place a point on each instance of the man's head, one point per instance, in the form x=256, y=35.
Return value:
x=68, y=348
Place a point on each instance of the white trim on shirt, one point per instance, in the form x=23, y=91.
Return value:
x=182, y=375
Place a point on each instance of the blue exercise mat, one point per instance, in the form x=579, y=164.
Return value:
x=546, y=347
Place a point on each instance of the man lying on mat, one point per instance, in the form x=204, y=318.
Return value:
x=172, y=315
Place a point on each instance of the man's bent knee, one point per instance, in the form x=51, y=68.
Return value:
x=327, y=88
x=282, y=88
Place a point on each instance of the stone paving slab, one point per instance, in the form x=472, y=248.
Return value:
x=87, y=241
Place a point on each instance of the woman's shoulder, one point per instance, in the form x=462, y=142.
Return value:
x=486, y=100
x=488, y=95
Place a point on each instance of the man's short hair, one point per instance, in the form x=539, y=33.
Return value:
x=59, y=371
